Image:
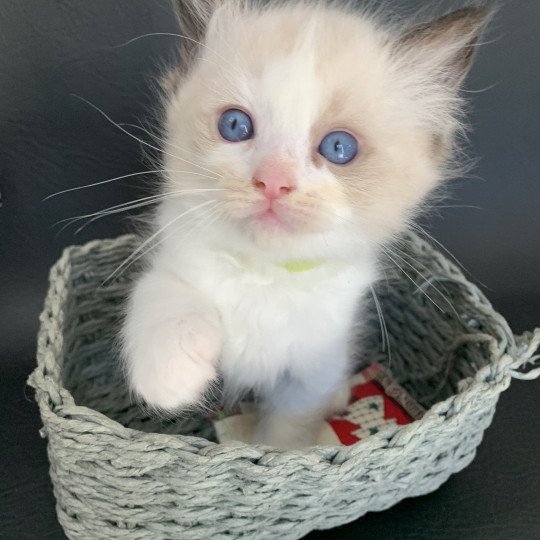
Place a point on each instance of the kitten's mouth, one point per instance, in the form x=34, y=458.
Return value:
x=277, y=216
x=272, y=216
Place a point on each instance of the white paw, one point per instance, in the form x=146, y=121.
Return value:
x=339, y=401
x=288, y=432
x=172, y=365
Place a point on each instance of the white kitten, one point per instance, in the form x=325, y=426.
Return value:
x=301, y=138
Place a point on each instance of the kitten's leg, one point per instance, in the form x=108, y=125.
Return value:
x=292, y=414
x=288, y=431
x=294, y=429
x=171, y=341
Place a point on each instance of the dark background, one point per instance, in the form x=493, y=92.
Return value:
x=50, y=141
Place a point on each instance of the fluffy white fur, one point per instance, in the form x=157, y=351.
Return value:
x=215, y=298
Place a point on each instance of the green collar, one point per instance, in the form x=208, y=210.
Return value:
x=293, y=266
x=300, y=265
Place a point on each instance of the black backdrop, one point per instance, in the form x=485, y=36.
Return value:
x=51, y=141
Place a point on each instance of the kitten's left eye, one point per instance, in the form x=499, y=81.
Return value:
x=235, y=125
x=339, y=147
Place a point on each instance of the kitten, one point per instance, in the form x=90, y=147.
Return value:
x=300, y=139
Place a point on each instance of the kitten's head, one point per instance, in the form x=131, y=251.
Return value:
x=319, y=127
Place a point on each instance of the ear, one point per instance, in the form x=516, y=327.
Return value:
x=193, y=17
x=445, y=48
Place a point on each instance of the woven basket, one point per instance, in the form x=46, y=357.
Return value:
x=119, y=473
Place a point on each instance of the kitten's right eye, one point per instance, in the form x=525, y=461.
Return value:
x=235, y=125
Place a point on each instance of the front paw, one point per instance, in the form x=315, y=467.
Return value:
x=170, y=367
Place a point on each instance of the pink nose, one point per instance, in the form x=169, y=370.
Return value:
x=273, y=181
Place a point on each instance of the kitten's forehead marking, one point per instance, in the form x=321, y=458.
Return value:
x=289, y=89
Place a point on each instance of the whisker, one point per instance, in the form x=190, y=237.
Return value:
x=159, y=242
x=134, y=202
x=181, y=36
x=137, y=38
x=164, y=141
x=212, y=216
x=384, y=328
x=106, y=214
x=190, y=223
x=110, y=120
x=123, y=207
x=154, y=171
x=482, y=90
x=418, y=287
x=142, y=173
x=420, y=230
x=470, y=206
x=426, y=280
x=131, y=258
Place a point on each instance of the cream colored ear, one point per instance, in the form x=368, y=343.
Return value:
x=193, y=17
x=445, y=47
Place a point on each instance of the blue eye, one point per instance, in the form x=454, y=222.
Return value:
x=235, y=126
x=339, y=147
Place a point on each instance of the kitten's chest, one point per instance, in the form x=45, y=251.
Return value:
x=277, y=321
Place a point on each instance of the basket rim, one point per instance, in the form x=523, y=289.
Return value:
x=505, y=356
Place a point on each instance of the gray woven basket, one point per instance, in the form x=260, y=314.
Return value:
x=119, y=473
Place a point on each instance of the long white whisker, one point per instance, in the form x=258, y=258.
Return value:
x=124, y=207
x=128, y=205
x=214, y=213
x=426, y=280
x=469, y=206
x=384, y=328
x=142, y=173
x=192, y=220
x=137, y=38
x=100, y=215
x=179, y=36
x=395, y=263
x=162, y=240
x=418, y=287
x=419, y=229
x=117, y=209
x=482, y=90
x=162, y=140
x=154, y=171
x=111, y=121
x=155, y=235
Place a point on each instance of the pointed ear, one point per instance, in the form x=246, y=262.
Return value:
x=193, y=17
x=445, y=48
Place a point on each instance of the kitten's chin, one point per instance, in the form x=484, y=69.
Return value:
x=277, y=226
x=269, y=237
x=272, y=234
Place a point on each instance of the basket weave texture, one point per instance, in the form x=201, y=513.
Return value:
x=118, y=472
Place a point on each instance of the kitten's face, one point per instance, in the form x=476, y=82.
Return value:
x=298, y=75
